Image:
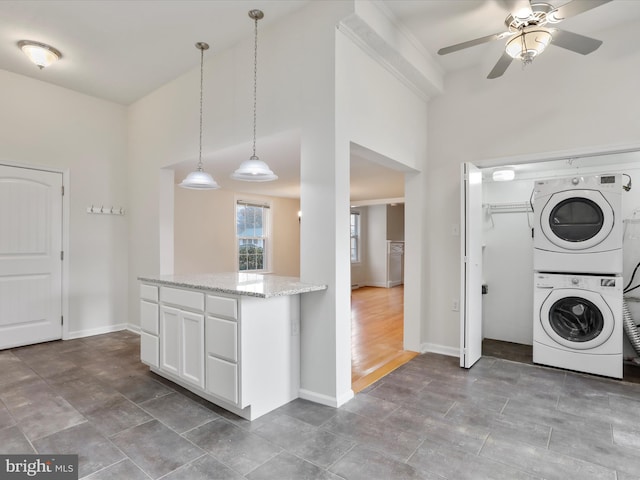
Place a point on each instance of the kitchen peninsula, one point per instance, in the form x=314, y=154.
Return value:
x=231, y=338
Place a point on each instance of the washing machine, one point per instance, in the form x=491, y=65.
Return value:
x=578, y=225
x=578, y=322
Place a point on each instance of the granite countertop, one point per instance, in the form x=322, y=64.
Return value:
x=251, y=284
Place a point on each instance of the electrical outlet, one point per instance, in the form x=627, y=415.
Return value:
x=455, y=305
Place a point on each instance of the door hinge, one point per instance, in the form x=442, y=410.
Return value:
x=61, y=320
x=63, y=190
x=61, y=255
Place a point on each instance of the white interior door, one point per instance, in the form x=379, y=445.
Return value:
x=30, y=256
x=471, y=266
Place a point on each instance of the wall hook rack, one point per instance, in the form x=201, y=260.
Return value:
x=102, y=210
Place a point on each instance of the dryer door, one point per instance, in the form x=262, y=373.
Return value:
x=577, y=219
x=575, y=318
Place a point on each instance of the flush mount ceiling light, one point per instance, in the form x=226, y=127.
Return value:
x=199, y=179
x=254, y=169
x=41, y=54
x=503, y=175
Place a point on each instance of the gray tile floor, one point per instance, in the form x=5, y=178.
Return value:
x=427, y=420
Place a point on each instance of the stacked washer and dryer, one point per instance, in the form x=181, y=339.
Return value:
x=577, y=262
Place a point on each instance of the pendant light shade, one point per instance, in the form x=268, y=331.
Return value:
x=199, y=179
x=254, y=169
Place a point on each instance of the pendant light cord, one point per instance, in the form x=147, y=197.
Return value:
x=201, y=83
x=255, y=82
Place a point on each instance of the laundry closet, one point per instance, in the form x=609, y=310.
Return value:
x=509, y=224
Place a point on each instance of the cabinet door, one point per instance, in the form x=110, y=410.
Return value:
x=170, y=340
x=222, y=338
x=149, y=317
x=149, y=349
x=222, y=379
x=192, y=348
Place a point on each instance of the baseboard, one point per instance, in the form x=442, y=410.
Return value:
x=322, y=399
x=96, y=331
x=376, y=284
x=133, y=328
x=441, y=349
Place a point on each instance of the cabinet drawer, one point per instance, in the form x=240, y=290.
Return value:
x=182, y=298
x=149, y=349
x=222, y=338
x=149, y=292
x=222, y=379
x=149, y=317
x=224, y=306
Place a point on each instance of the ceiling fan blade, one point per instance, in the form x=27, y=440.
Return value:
x=574, y=42
x=574, y=8
x=472, y=43
x=501, y=66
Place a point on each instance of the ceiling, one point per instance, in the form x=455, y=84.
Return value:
x=121, y=50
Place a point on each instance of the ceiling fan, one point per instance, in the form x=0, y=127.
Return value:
x=531, y=27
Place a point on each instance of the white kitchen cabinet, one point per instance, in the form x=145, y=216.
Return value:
x=240, y=351
x=149, y=328
x=222, y=379
x=182, y=335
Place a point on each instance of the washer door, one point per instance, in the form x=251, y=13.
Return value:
x=577, y=219
x=578, y=319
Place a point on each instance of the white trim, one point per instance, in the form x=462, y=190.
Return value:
x=133, y=328
x=441, y=349
x=97, y=331
x=322, y=399
x=375, y=284
x=575, y=153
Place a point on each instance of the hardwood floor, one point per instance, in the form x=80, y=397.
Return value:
x=377, y=326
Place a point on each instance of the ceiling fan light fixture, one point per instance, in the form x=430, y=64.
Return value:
x=41, y=54
x=528, y=44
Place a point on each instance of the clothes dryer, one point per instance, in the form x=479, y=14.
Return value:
x=578, y=225
x=578, y=322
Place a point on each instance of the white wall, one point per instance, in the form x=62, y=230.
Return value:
x=395, y=222
x=377, y=111
x=52, y=127
x=204, y=232
x=376, y=240
x=562, y=102
x=507, y=265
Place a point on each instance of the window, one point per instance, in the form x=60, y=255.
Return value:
x=355, y=237
x=252, y=232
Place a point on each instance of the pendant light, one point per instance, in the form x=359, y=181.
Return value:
x=254, y=169
x=199, y=179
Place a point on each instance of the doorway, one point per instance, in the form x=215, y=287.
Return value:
x=30, y=256
x=507, y=248
x=377, y=269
